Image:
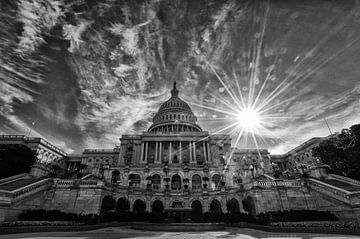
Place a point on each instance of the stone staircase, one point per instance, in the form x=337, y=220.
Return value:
x=19, y=183
x=341, y=188
x=340, y=184
x=21, y=186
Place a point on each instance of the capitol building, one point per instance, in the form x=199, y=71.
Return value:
x=175, y=168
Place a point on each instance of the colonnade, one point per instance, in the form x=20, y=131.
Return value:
x=165, y=151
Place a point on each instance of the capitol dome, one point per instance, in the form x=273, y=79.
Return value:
x=174, y=116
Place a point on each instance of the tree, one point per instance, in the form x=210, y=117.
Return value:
x=15, y=159
x=342, y=152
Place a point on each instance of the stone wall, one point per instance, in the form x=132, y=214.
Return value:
x=274, y=199
x=342, y=210
x=35, y=201
x=76, y=198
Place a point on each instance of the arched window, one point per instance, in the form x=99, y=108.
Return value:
x=134, y=180
x=176, y=182
x=155, y=181
x=216, y=180
x=115, y=176
x=196, y=182
x=175, y=159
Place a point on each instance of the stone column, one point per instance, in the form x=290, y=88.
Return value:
x=160, y=149
x=170, y=158
x=121, y=155
x=208, y=151
x=146, y=150
x=204, y=151
x=194, y=150
x=180, y=159
x=142, y=152
x=156, y=151
x=190, y=152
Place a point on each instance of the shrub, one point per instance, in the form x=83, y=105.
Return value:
x=295, y=216
x=56, y=215
x=156, y=217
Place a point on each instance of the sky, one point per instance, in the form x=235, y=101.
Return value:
x=82, y=73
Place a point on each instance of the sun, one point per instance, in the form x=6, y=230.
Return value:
x=249, y=119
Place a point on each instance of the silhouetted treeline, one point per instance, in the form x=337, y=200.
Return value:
x=15, y=159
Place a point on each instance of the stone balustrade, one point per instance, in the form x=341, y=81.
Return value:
x=330, y=190
x=33, y=188
x=8, y=196
x=344, y=179
x=101, y=151
x=272, y=184
x=71, y=183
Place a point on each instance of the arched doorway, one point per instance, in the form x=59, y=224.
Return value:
x=176, y=182
x=115, y=176
x=196, y=211
x=157, y=209
x=122, y=205
x=215, y=206
x=107, y=204
x=233, y=206
x=215, y=211
x=157, y=206
x=139, y=207
x=249, y=206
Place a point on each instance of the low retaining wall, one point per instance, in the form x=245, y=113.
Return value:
x=75, y=228
x=282, y=229
x=179, y=227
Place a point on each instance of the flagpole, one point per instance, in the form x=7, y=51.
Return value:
x=32, y=125
x=327, y=125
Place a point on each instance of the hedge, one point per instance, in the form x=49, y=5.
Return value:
x=56, y=215
x=295, y=216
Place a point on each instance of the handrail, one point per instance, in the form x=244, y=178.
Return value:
x=13, y=178
x=30, y=187
x=318, y=182
x=344, y=179
x=338, y=193
x=17, y=193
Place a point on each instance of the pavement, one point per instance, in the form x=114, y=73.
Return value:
x=126, y=232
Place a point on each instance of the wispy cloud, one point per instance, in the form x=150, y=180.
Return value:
x=37, y=17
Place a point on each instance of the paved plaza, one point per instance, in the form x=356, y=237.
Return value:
x=118, y=233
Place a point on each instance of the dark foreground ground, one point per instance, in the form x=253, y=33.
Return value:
x=126, y=232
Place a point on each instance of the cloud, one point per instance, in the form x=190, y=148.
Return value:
x=106, y=122
x=73, y=33
x=37, y=17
